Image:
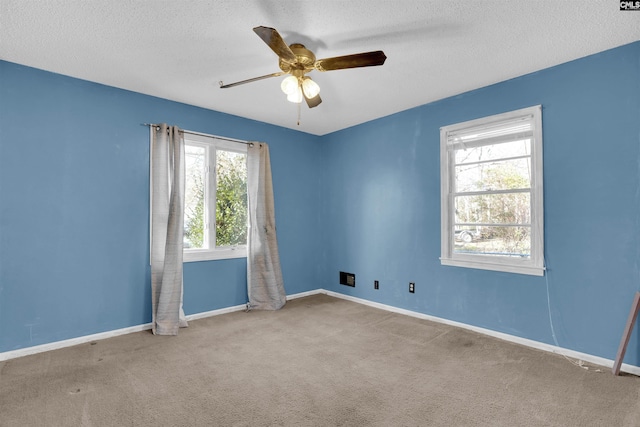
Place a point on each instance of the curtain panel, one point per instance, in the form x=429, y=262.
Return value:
x=265, y=286
x=167, y=228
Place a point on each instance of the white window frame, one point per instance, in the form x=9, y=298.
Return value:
x=535, y=264
x=216, y=253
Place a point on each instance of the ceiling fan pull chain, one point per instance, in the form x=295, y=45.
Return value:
x=299, y=112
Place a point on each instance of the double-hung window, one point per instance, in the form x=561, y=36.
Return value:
x=215, y=208
x=492, y=193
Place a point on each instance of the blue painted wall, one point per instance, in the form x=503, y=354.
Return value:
x=74, y=207
x=381, y=208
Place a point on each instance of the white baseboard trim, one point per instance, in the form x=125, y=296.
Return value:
x=71, y=342
x=217, y=312
x=7, y=355
x=306, y=294
x=596, y=360
x=244, y=306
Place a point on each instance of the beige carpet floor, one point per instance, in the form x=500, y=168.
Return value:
x=320, y=361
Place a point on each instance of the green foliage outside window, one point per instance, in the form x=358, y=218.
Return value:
x=231, y=199
x=231, y=204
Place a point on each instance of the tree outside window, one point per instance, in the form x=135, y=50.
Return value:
x=215, y=224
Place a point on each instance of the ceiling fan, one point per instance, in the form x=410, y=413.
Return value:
x=296, y=60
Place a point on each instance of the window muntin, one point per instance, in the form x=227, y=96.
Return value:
x=492, y=193
x=215, y=219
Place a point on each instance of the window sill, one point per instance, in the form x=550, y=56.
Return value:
x=506, y=268
x=195, y=255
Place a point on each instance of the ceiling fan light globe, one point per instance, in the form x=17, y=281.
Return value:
x=295, y=96
x=310, y=88
x=289, y=85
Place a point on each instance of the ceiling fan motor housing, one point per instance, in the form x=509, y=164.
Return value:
x=305, y=61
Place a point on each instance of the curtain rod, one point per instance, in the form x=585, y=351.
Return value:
x=207, y=135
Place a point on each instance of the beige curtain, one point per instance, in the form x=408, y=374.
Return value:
x=264, y=276
x=167, y=228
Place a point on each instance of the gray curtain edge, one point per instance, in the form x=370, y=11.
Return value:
x=265, y=285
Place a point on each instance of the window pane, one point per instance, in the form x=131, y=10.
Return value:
x=231, y=198
x=494, y=151
x=498, y=175
x=194, y=197
x=494, y=241
x=511, y=208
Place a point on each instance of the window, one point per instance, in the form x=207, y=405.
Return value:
x=215, y=208
x=491, y=178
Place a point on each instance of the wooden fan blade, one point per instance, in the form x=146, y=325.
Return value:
x=312, y=102
x=255, y=79
x=273, y=39
x=366, y=59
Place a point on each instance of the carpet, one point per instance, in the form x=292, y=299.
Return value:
x=320, y=361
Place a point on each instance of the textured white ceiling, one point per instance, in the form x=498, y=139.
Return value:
x=180, y=50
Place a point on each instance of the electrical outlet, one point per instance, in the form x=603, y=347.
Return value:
x=412, y=287
x=376, y=285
